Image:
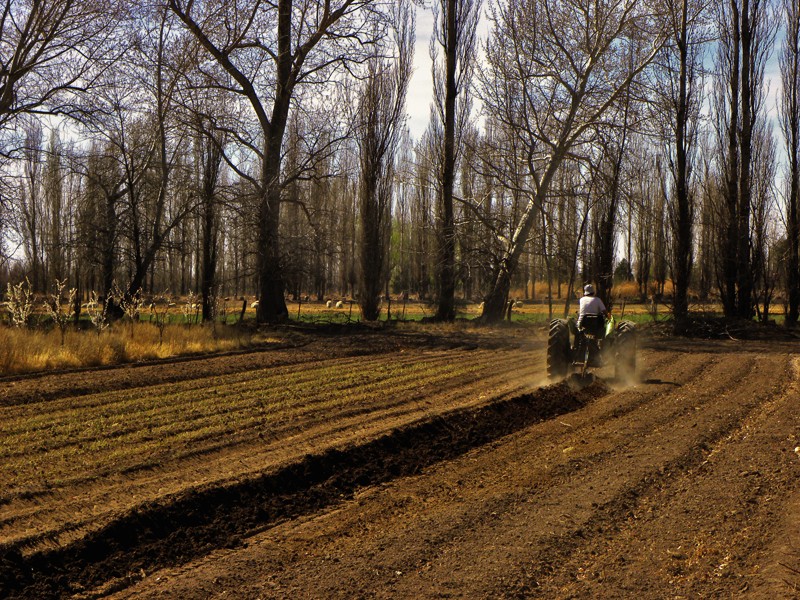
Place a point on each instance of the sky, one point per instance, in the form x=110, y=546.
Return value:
x=420, y=91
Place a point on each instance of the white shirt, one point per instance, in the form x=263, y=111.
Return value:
x=591, y=305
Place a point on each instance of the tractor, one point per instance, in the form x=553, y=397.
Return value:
x=572, y=351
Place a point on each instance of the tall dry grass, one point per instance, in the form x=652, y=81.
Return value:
x=628, y=290
x=25, y=350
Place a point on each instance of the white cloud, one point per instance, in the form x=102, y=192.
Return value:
x=420, y=92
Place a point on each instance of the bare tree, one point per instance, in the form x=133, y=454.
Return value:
x=455, y=23
x=56, y=211
x=380, y=115
x=661, y=232
x=609, y=171
x=647, y=196
x=159, y=64
x=30, y=216
x=264, y=51
x=554, y=69
x=422, y=216
x=679, y=97
x=789, y=111
x=138, y=142
x=746, y=33
x=402, y=256
x=99, y=214
x=707, y=246
x=764, y=218
x=50, y=52
x=209, y=152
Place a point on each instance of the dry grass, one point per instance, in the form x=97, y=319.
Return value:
x=627, y=289
x=24, y=350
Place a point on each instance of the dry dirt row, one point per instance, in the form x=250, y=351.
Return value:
x=79, y=452
x=682, y=486
x=408, y=467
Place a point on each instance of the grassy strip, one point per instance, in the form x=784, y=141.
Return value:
x=114, y=431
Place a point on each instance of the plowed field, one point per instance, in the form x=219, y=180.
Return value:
x=404, y=465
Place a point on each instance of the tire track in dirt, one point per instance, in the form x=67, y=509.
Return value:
x=531, y=513
x=730, y=496
x=779, y=572
x=605, y=485
x=547, y=492
x=671, y=447
x=736, y=499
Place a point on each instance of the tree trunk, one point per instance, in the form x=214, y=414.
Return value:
x=371, y=246
x=495, y=302
x=744, y=267
x=209, y=264
x=731, y=247
x=793, y=232
x=790, y=76
x=682, y=256
x=272, y=304
x=447, y=280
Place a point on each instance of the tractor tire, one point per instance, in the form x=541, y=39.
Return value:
x=625, y=351
x=558, y=349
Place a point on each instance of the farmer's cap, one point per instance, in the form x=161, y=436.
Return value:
x=588, y=290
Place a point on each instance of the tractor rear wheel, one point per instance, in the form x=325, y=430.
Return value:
x=558, y=350
x=625, y=351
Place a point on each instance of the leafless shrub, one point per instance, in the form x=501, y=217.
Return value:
x=131, y=304
x=98, y=312
x=55, y=307
x=191, y=308
x=20, y=302
x=159, y=312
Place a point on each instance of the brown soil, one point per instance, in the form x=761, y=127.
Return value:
x=479, y=484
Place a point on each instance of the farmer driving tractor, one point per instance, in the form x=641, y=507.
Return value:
x=591, y=340
x=591, y=323
x=591, y=310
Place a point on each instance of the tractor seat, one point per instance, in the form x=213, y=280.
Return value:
x=593, y=325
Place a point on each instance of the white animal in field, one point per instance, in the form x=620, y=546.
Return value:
x=518, y=304
x=340, y=304
x=329, y=303
x=254, y=304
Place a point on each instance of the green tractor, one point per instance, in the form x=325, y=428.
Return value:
x=599, y=341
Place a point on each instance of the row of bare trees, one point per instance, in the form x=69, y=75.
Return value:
x=260, y=148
